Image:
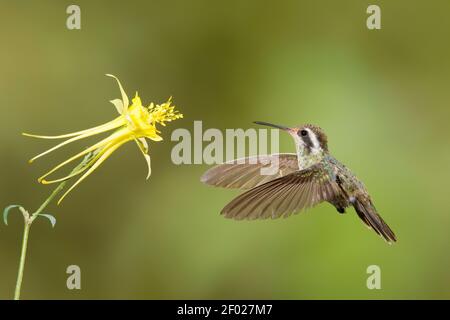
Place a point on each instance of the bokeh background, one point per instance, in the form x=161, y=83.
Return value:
x=382, y=97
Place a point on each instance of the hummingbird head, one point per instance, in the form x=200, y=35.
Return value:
x=308, y=137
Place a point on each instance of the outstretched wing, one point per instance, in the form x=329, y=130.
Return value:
x=286, y=195
x=246, y=173
x=368, y=214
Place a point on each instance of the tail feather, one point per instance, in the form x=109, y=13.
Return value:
x=368, y=214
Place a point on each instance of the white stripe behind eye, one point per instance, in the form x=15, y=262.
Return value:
x=314, y=140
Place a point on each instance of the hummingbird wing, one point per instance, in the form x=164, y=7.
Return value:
x=285, y=195
x=247, y=173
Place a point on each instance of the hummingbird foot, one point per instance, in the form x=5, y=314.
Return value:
x=340, y=210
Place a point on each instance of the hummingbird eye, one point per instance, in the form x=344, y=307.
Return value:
x=303, y=133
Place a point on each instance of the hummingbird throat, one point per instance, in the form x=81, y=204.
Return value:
x=308, y=157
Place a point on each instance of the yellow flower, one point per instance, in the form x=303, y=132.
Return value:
x=135, y=122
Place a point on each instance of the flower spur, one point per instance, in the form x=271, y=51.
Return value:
x=135, y=122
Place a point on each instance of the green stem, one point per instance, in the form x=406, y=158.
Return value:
x=26, y=231
x=48, y=200
x=28, y=220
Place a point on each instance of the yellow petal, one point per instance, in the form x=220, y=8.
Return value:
x=101, y=159
x=125, y=100
x=73, y=174
x=151, y=133
x=143, y=146
x=87, y=134
x=155, y=137
x=118, y=104
x=102, y=128
x=104, y=142
x=136, y=100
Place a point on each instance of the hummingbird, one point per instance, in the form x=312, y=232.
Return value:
x=303, y=180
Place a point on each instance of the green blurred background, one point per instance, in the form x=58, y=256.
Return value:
x=381, y=96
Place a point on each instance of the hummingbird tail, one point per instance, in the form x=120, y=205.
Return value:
x=367, y=212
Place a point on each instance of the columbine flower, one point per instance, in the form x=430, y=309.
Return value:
x=135, y=122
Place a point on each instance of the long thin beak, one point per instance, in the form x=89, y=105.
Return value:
x=273, y=125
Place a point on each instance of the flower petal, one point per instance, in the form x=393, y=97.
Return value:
x=98, y=129
x=103, y=143
x=143, y=146
x=125, y=100
x=136, y=100
x=118, y=104
x=107, y=152
x=85, y=135
x=75, y=173
x=154, y=137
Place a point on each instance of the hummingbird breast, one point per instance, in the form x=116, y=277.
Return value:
x=346, y=180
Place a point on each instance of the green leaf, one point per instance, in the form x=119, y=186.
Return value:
x=6, y=212
x=51, y=218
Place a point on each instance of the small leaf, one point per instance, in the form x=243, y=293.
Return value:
x=51, y=218
x=6, y=212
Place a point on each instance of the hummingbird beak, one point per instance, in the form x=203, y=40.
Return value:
x=289, y=130
x=271, y=125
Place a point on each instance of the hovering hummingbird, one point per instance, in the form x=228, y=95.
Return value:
x=304, y=179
